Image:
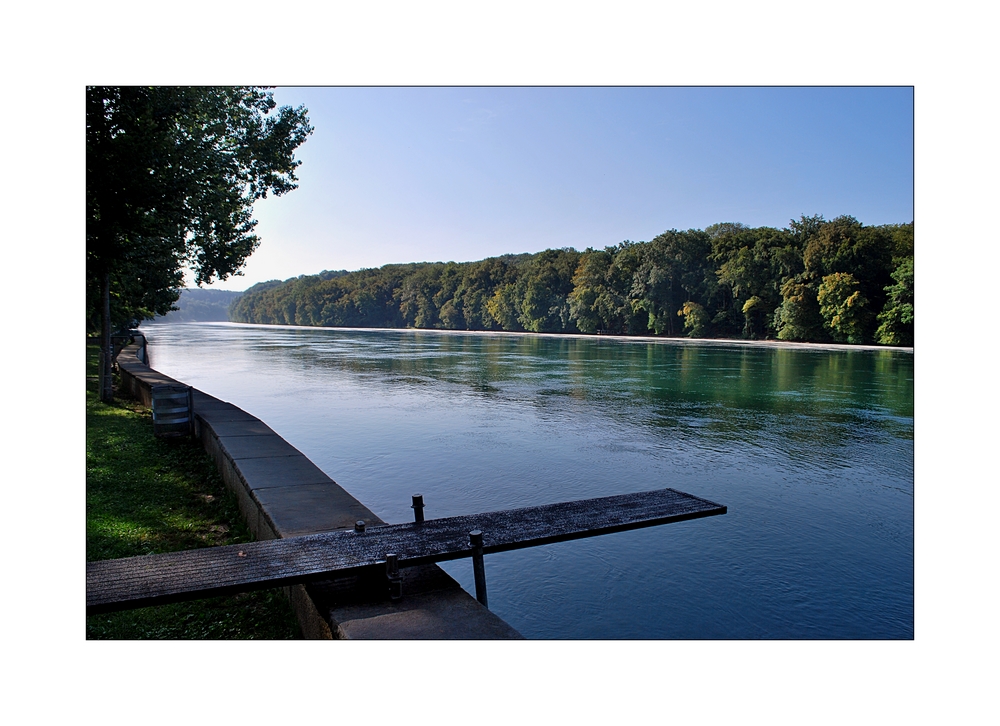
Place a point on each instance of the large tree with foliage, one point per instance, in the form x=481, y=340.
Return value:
x=843, y=307
x=753, y=264
x=172, y=176
x=896, y=319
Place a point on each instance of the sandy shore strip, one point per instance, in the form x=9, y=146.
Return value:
x=730, y=342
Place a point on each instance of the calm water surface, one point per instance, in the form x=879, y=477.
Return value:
x=812, y=452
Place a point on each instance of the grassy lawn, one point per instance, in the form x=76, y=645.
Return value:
x=147, y=496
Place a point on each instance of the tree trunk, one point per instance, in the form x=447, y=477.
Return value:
x=107, y=353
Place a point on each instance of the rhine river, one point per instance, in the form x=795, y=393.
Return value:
x=811, y=450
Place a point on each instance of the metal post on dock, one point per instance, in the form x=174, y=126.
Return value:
x=394, y=577
x=190, y=403
x=478, y=566
x=418, y=508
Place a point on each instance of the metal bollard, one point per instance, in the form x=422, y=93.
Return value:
x=418, y=508
x=394, y=577
x=478, y=566
x=359, y=526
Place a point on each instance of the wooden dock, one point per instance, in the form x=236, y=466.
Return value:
x=158, y=579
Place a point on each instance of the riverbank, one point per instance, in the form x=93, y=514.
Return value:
x=729, y=342
x=146, y=496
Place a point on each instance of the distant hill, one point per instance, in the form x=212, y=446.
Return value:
x=197, y=306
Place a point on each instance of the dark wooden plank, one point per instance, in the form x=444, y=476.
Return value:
x=158, y=579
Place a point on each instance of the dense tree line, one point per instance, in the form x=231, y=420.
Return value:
x=815, y=280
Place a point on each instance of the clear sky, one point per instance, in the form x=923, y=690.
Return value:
x=417, y=174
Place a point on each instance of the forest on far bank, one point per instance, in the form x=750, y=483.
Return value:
x=815, y=281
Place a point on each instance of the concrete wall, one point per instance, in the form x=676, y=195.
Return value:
x=283, y=494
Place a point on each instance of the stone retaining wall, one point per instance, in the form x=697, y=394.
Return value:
x=283, y=494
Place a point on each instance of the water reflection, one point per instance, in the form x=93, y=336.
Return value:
x=836, y=398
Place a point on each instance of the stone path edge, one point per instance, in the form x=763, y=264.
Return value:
x=283, y=494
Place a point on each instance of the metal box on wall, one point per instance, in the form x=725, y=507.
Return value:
x=173, y=410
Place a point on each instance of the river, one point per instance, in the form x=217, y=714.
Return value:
x=810, y=449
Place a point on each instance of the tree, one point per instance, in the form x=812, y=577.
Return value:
x=589, y=289
x=753, y=265
x=547, y=281
x=674, y=270
x=843, y=307
x=172, y=175
x=756, y=316
x=846, y=246
x=896, y=319
x=695, y=319
x=798, y=317
x=503, y=307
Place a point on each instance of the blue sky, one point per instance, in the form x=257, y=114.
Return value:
x=428, y=173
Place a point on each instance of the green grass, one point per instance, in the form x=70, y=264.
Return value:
x=148, y=495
